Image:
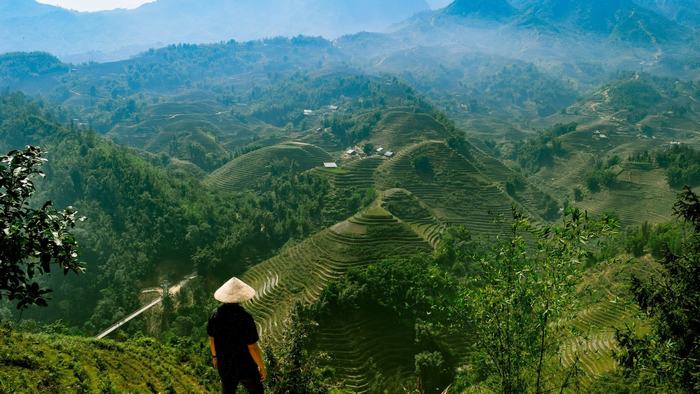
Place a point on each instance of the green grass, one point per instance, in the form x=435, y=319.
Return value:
x=243, y=172
x=43, y=363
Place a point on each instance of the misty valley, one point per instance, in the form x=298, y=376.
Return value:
x=351, y=196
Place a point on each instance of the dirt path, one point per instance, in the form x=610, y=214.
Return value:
x=172, y=290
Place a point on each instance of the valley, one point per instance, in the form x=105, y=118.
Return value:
x=462, y=199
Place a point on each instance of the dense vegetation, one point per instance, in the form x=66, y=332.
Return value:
x=141, y=214
x=404, y=272
x=32, y=240
x=667, y=358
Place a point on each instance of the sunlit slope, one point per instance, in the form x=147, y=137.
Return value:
x=455, y=190
x=398, y=129
x=415, y=213
x=243, y=172
x=630, y=115
x=40, y=363
x=169, y=121
x=301, y=272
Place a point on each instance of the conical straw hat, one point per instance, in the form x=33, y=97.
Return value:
x=234, y=291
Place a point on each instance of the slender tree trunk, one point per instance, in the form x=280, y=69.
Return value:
x=543, y=335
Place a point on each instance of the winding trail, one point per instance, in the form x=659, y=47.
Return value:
x=173, y=290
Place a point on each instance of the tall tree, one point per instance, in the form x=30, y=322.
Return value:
x=669, y=357
x=525, y=284
x=31, y=240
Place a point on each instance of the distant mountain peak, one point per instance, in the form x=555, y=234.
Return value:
x=487, y=9
x=621, y=19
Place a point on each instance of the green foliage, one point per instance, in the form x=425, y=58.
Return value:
x=18, y=66
x=291, y=367
x=349, y=130
x=521, y=288
x=682, y=164
x=657, y=239
x=667, y=358
x=417, y=294
x=52, y=363
x=514, y=185
x=541, y=151
x=602, y=175
x=423, y=165
x=32, y=240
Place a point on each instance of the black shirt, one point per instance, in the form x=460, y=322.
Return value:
x=233, y=330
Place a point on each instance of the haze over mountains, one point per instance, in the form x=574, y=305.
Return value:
x=29, y=26
x=365, y=175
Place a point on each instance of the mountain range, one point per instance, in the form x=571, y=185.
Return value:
x=26, y=25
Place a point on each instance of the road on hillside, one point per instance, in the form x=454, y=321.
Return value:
x=173, y=290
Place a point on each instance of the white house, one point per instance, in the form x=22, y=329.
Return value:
x=330, y=165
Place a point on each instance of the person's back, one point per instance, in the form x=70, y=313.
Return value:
x=233, y=338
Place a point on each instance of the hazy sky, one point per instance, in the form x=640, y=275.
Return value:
x=439, y=3
x=97, y=5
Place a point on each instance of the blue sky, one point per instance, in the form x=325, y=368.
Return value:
x=97, y=5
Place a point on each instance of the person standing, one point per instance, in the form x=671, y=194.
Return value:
x=233, y=340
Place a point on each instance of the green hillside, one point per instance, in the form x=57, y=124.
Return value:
x=302, y=271
x=51, y=363
x=633, y=114
x=399, y=129
x=245, y=171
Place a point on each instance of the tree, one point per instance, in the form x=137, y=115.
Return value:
x=525, y=284
x=31, y=240
x=296, y=370
x=668, y=357
x=423, y=165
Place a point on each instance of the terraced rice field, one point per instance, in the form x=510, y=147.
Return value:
x=398, y=129
x=301, y=272
x=356, y=174
x=360, y=346
x=456, y=192
x=529, y=198
x=412, y=211
x=593, y=342
x=242, y=172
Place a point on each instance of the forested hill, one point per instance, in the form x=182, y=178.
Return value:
x=144, y=217
x=113, y=35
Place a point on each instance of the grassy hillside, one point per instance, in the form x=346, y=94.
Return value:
x=302, y=271
x=633, y=114
x=398, y=129
x=243, y=172
x=50, y=363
